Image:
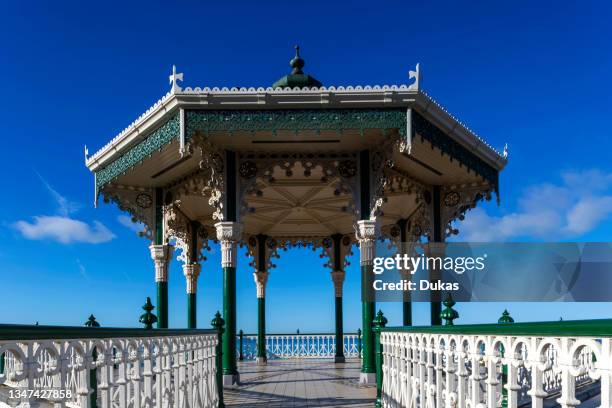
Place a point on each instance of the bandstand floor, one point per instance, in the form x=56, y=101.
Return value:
x=300, y=383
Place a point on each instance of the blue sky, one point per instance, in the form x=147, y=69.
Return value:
x=534, y=76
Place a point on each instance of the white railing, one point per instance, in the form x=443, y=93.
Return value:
x=131, y=370
x=283, y=346
x=453, y=369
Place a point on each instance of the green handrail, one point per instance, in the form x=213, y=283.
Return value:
x=564, y=328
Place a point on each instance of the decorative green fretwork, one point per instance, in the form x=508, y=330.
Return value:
x=155, y=141
x=230, y=121
x=294, y=120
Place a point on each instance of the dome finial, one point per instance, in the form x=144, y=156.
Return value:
x=297, y=63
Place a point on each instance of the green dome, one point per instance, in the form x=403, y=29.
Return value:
x=297, y=78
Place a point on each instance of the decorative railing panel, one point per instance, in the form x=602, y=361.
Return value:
x=85, y=367
x=283, y=346
x=496, y=365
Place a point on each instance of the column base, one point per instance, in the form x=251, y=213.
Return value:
x=261, y=360
x=339, y=359
x=231, y=380
x=367, y=378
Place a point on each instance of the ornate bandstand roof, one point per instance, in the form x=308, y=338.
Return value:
x=296, y=145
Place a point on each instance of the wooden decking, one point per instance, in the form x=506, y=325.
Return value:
x=300, y=383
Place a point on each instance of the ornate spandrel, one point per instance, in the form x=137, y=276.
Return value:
x=138, y=202
x=211, y=180
x=181, y=229
x=270, y=252
x=455, y=201
x=345, y=244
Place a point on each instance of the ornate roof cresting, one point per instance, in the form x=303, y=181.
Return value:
x=174, y=78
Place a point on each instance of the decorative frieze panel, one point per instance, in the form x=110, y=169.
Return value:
x=138, y=202
x=143, y=149
x=230, y=121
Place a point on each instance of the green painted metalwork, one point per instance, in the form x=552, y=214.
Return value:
x=146, y=147
x=230, y=121
x=367, y=316
x=229, y=313
x=148, y=318
x=505, y=318
x=379, y=322
x=91, y=321
x=162, y=305
x=565, y=328
x=217, y=323
x=159, y=216
x=449, y=314
x=359, y=341
x=297, y=78
x=261, y=328
x=430, y=132
x=435, y=295
x=192, y=319
x=2, y=362
x=294, y=120
x=241, y=349
x=339, y=334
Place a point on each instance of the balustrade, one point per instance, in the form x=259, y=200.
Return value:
x=283, y=346
x=119, y=367
x=464, y=366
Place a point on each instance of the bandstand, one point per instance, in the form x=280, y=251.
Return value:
x=297, y=163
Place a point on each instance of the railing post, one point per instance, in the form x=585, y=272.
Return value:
x=359, y=342
x=504, y=319
x=449, y=314
x=240, y=354
x=218, y=323
x=379, y=322
x=93, y=375
x=148, y=318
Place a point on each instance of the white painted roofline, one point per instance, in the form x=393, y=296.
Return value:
x=297, y=98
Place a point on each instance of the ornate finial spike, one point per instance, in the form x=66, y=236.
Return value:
x=148, y=318
x=297, y=63
x=505, y=318
x=91, y=321
x=416, y=75
x=86, y=151
x=380, y=320
x=505, y=153
x=174, y=78
x=218, y=322
x=449, y=314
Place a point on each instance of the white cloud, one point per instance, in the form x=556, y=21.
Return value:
x=568, y=210
x=126, y=221
x=64, y=230
x=62, y=227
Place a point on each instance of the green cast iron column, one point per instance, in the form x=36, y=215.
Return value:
x=366, y=237
x=436, y=301
x=161, y=256
x=338, y=276
x=407, y=304
x=261, y=330
x=261, y=279
x=228, y=234
x=192, y=320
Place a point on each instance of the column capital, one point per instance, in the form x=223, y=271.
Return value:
x=228, y=233
x=338, y=279
x=367, y=229
x=367, y=232
x=261, y=280
x=161, y=255
x=192, y=272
